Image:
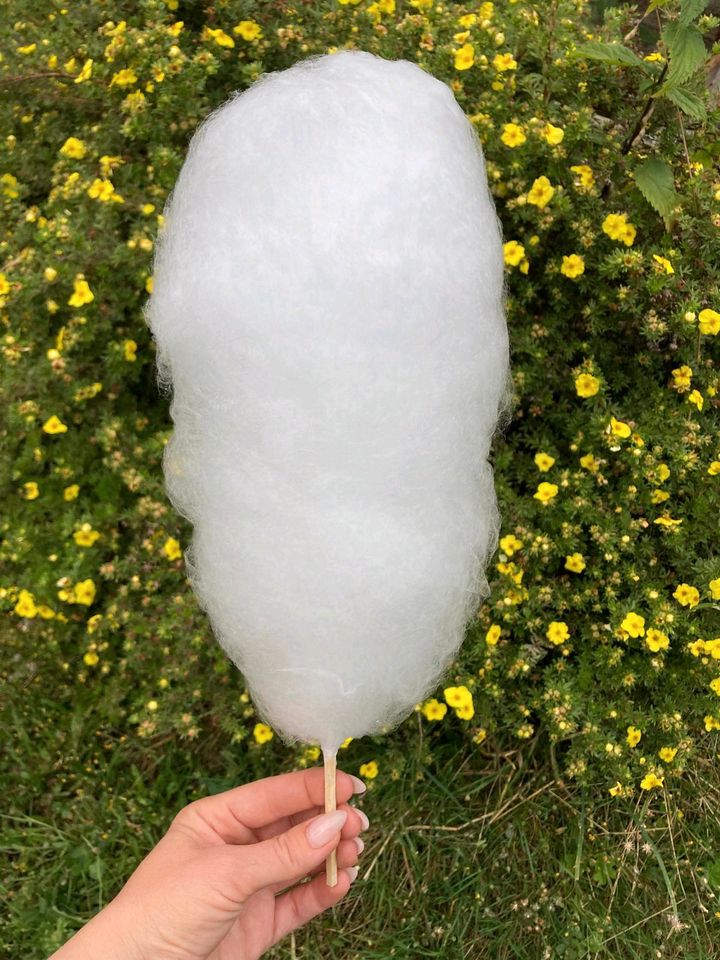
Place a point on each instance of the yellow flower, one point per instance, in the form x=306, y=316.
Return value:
x=633, y=624
x=687, y=595
x=512, y=135
x=617, y=227
x=149, y=284
x=557, y=632
x=656, y=640
x=369, y=770
x=588, y=462
x=513, y=253
x=575, y=562
x=664, y=263
x=219, y=36
x=493, y=635
x=715, y=589
x=28, y=48
x=82, y=293
x=682, y=377
x=545, y=492
x=104, y=191
x=711, y=723
x=467, y=20
x=709, y=321
x=465, y=57
x=633, y=736
x=262, y=733
x=504, y=61
x=129, y=350
x=457, y=696
x=585, y=174
x=697, y=398
x=667, y=754
x=171, y=549
x=151, y=705
x=91, y=658
x=346, y=743
x=714, y=468
x=45, y=612
x=541, y=192
x=466, y=711
x=663, y=472
x=543, y=461
x=4, y=285
x=54, y=425
x=715, y=685
x=25, y=606
x=616, y=790
x=434, y=710
x=50, y=274
x=124, y=78
x=94, y=622
x=71, y=492
x=667, y=521
x=32, y=491
x=586, y=385
x=248, y=30
x=650, y=781
x=510, y=544
x=84, y=592
x=73, y=148
x=85, y=73
x=86, y=536
x=572, y=266
x=553, y=135
x=619, y=428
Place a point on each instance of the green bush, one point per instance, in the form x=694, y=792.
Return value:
x=605, y=178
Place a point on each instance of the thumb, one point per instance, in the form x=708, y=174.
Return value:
x=288, y=856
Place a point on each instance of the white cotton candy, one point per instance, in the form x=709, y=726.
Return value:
x=328, y=307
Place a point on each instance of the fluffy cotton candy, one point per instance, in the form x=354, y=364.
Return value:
x=328, y=307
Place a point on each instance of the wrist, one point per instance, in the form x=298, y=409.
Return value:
x=107, y=936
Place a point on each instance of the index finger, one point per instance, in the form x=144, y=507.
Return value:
x=233, y=813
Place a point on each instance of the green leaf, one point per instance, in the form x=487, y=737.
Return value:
x=654, y=178
x=687, y=101
x=690, y=10
x=687, y=51
x=615, y=53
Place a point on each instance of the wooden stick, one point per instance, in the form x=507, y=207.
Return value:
x=330, y=760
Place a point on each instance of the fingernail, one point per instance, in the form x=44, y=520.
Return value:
x=352, y=872
x=363, y=818
x=323, y=828
x=360, y=844
x=358, y=785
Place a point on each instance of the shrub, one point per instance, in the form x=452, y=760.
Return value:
x=603, y=618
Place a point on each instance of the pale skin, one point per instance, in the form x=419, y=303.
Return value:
x=215, y=886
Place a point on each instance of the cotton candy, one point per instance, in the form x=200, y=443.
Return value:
x=328, y=307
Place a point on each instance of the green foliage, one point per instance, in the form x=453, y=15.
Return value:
x=602, y=160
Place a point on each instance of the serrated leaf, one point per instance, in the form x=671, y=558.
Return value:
x=654, y=178
x=687, y=51
x=690, y=10
x=615, y=53
x=687, y=101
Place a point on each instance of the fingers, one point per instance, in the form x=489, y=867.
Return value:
x=233, y=815
x=283, y=858
x=297, y=906
x=347, y=851
x=356, y=821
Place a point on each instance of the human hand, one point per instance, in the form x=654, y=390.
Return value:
x=211, y=888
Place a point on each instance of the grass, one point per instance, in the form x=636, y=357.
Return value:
x=471, y=853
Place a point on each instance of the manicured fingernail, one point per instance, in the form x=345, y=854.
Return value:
x=363, y=818
x=360, y=844
x=358, y=785
x=323, y=828
x=352, y=872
